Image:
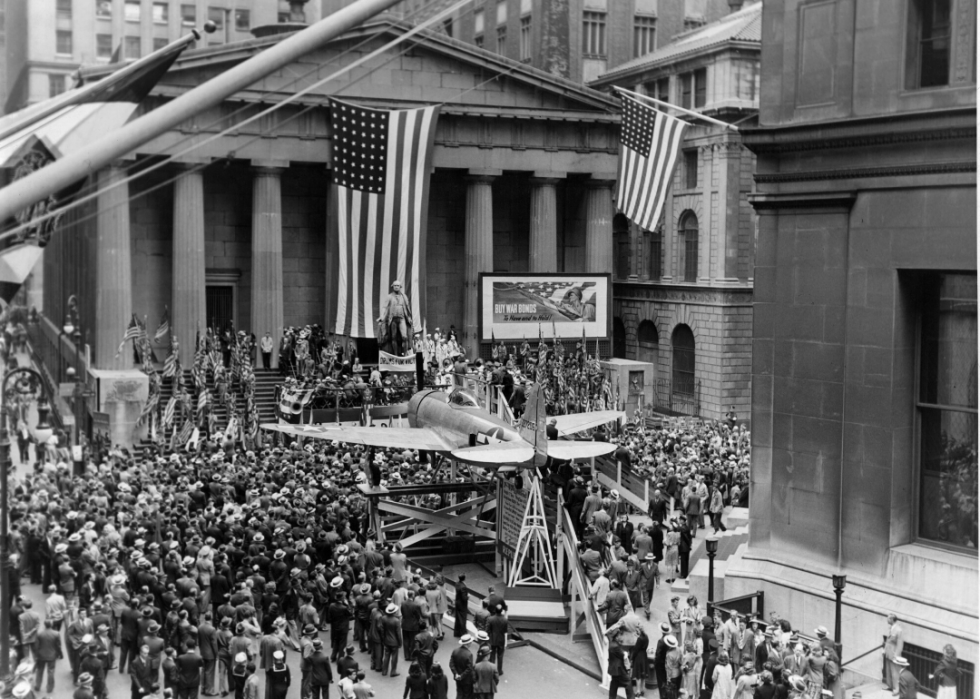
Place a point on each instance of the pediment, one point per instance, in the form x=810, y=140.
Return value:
x=425, y=69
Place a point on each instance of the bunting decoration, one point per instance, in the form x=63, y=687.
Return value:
x=164, y=326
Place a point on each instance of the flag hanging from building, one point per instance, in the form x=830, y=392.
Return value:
x=378, y=206
x=134, y=331
x=648, y=145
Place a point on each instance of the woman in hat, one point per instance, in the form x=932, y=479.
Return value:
x=815, y=663
x=947, y=673
x=724, y=686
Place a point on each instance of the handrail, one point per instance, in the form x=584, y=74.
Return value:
x=856, y=658
x=594, y=622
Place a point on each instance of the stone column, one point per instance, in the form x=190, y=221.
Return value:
x=267, y=299
x=478, y=251
x=599, y=226
x=543, y=246
x=189, y=314
x=114, y=272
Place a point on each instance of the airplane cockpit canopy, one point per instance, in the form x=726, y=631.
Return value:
x=464, y=399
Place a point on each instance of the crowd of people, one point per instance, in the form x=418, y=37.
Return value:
x=201, y=572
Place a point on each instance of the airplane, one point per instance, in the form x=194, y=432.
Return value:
x=455, y=423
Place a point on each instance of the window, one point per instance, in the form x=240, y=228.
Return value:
x=103, y=45
x=688, y=233
x=526, y=38
x=478, y=41
x=648, y=340
x=655, y=254
x=644, y=33
x=62, y=39
x=447, y=26
x=103, y=9
x=501, y=12
x=621, y=237
x=947, y=410
x=161, y=13
x=243, y=20
x=57, y=83
x=502, y=39
x=694, y=89
x=188, y=15
x=594, y=34
x=659, y=89
x=478, y=22
x=132, y=47
x=929, y=41
x=683, y=359
x=691, y=169
x=159, y=42
x=218, y=15
x=63, y=9
x=131, y=11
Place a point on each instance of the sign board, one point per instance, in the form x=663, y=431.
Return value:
x=519, y=306
x=392, y=362
x=510, y=517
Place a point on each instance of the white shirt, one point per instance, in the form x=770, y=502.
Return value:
x=266, y=343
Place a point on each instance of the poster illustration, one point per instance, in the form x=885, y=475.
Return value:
x=515, y=306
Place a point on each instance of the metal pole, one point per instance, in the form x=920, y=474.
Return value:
x=4, y=535
x=711, y=577
x=89, y=159
x=660, y=103
x=839, y=593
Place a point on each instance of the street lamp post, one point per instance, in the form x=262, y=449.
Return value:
x=840, y=581
x=711, y=546
x=42, y=433
x=73, y=328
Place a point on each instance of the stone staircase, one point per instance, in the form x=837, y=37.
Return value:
x=728, y=544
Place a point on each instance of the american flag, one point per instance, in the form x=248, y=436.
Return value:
x=134, y=332
x=648, y=146
x=164, y=326
x=378, y=203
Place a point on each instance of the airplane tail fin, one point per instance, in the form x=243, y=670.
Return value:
x=532, y=423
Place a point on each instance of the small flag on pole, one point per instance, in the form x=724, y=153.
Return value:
x=164, y=326
x=133, y=332
x=648, y=145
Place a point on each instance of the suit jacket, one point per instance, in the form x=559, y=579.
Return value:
x=461, y=661
x=207, y=641
x=485, y=677
x=48, y=645
x=268, y=645
x=497, y=629
x=129, y=622
x=908, y=686
x=140, y=674
x=318, y=665
x=391, y=631
x=411, y=616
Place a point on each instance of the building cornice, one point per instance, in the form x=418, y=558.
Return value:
x=657, y=292
x=867, y=172
x=886, y=130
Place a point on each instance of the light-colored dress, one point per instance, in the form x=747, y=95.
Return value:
x=724, y=685
x=671, y=540
x=691, y=681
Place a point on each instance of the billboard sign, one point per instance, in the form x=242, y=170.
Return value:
x=517, y=306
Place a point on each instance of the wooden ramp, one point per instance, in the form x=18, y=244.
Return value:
x=536, y=609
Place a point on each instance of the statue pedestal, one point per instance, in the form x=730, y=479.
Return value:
x=120, y=395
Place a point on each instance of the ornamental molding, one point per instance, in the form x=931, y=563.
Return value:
x=791, y=142
x=865, y=172
x=715, y=297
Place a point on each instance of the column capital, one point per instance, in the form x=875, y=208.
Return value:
x=187, y=161
x=269, y=167
x=484, y=173
x=546, y=181
x=548, y=175
x=606, y=181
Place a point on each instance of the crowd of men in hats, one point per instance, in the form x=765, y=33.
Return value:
x=199, y=573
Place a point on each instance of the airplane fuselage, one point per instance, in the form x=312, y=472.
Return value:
x=457, y=421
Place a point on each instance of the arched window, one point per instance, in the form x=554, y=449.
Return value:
x=687, y=232
x=619, y=338
x=683, y=359
x=649, y=343
x=621, y=237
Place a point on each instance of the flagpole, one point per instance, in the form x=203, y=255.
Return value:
x=91, y=158
x=659, y=103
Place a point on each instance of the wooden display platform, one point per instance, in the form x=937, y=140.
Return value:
x=536, y=609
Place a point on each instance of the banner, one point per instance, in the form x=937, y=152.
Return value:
x=520, y=306
x=391, y=362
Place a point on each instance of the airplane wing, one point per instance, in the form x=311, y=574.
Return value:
x=381, y=437
x=576, y=422
x=496, y=453
x=566, y=450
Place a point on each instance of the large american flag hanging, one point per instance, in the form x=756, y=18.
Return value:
x=648, y=145
x=378, y=204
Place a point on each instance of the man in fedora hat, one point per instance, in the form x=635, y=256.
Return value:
x=461, y=665
x=908, y=685
x=672, y=665
x=141, y=678
x=391, y=639
x=317, y=668
x=85, y=687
